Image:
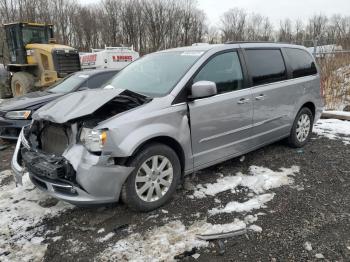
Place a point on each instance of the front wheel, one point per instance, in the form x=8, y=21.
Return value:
x=22, y=83
x=154, y=180
x=302, y=128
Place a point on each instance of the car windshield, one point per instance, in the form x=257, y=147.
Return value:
x=69, y=83
x=155, y=75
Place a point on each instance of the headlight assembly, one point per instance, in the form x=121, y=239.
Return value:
x=23, y=114
x=92, y=139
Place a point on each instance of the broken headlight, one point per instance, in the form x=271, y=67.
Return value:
x=93, y=139
x=23, y=114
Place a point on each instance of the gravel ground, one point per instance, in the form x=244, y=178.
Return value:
x=312, y=213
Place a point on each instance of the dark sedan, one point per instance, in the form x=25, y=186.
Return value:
x=16, y=112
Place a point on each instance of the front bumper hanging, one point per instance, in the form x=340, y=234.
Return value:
x=91, y=181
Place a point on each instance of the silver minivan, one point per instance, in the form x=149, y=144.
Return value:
x=166, y=115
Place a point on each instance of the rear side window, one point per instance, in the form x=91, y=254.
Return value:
x=266, y=65
x=301, y=62
x=225, y=70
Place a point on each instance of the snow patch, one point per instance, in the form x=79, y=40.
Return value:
x=319, y=256
x=75, y=246
x=56, y=238
x=101, y=230
x=307, y=246
x=255, y=228
x=21, y=215
x=260, y=180
x=333, y=129
x=253, y=203
x=165, y=242
x=106, y=237
x=4, y=175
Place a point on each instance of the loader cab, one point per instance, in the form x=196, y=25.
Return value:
x=19, y=35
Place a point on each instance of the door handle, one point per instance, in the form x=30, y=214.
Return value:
x=243, y=101
x=260, y=97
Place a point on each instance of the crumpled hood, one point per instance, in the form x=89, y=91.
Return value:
x=75, y=105
x=28, y=100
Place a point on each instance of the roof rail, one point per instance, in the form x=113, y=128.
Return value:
x=253, y=42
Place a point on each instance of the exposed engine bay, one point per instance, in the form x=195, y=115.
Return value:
x=45, y=142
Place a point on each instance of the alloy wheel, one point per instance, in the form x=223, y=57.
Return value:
x=154, y=178
x=303, y=127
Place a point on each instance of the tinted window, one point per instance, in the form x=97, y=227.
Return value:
x=225, y=70
x=301, y=62
x=266, y=66
x=98, y=80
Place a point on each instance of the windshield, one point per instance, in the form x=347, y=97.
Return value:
x=35, y=35
x=156, y=74
x=69, y=84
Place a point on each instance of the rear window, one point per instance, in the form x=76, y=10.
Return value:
x=301, y=62
x=266, y=65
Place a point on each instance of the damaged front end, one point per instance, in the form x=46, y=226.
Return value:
x=63, y=153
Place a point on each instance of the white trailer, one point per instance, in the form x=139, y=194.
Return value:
x=110, y=57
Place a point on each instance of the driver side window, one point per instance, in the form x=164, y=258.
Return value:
x=224, y=70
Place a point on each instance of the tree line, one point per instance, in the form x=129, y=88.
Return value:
x=147, y=25
x=151, y=25
x=237, y=24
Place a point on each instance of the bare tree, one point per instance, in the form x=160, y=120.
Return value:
x=233, y=25
x=285, y=33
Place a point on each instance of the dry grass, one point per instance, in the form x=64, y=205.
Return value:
x=335, y=78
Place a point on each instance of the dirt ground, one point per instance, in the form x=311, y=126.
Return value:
x=315, y=209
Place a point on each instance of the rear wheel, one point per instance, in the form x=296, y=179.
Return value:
x=154, y=180
x=22, y=83
x=302, y=128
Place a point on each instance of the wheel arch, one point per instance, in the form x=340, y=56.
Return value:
x=310, y=105
x=168, y=141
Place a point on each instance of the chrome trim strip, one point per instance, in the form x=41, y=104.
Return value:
x=24, y=140
x=17, y=169
x=226, y=133
x=287, y=80
x=53, y=183
x=268, y=121
x=240, y=129
x=179, y=104
x=239, y=141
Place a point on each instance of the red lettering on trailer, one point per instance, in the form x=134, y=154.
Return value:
x=122, y=58
x=88, y=59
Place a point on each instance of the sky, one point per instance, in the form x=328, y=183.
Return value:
x=276, y=10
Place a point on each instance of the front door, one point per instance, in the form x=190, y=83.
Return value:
x=221, y=124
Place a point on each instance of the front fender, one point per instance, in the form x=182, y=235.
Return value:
x=121, y=144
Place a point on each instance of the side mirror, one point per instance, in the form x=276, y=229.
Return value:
x=202, y=89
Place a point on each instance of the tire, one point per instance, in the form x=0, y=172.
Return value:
x=132, y=192
x=22, y=83
x=302, y=128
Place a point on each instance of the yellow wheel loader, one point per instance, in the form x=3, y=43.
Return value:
x=36, y=61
